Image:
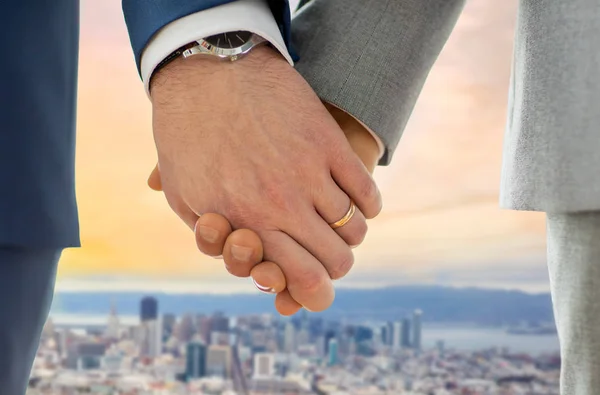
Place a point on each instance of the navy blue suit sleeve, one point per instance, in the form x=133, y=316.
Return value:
x=145, y=18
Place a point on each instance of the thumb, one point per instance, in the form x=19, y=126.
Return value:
x=154, y=179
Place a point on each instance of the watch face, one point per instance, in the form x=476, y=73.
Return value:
x=229, y=40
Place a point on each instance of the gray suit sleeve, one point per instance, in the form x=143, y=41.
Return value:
x=372, y=57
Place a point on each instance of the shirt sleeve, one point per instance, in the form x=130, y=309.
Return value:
x=249, y=15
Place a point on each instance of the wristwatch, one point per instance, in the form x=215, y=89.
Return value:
x=229, y=46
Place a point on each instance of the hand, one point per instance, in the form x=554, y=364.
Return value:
x=251, y=141
x=267, y=276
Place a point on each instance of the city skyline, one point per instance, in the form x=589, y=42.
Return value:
x=441, y=223
x=263, y=354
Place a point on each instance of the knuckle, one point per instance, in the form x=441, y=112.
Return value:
x=368, y=191
x=358, y=233
x=342, y=265
x=277, y=197
x=310, y=283
x=245, y=214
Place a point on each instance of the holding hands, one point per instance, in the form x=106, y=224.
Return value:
x=262, y=171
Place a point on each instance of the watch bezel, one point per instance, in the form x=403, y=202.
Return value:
x=203, y=47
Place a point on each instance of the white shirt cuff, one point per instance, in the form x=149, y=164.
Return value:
x=250, y=15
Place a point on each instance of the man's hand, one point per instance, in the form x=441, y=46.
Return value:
x=250, y=140
x=268, y=276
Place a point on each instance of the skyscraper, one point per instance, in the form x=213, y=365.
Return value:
x=328, y=336
x=387, y=333
x=149, y=338
x=289, y=338
x=219, y=361
x=155, y=337
x=148, y=309
x=219, y=323
x=406, y=333
x=416, y=340
x=397, y=335
x=185, y=329
x=112, y=328
x=264, y=365
x=333, y=352
x=169, y=321
x=363, y=333
x=195, y=360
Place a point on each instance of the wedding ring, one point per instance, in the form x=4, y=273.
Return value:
x=346, y=218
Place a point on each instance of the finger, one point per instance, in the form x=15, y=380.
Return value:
x=285, y=304
x=334, y=205
x=307, y=280
x=211, y=231
x=354, y=179
x=316, y=236
x=242, y=251
x=154, y=181
x=268, y=277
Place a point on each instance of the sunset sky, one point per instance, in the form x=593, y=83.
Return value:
x=441, y=223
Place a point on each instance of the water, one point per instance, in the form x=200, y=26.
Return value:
x=454, y=336
x=476, y=338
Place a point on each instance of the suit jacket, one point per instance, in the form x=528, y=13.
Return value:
x=39, y=47
x=371, y=58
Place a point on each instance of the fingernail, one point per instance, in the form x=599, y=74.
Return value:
x=262, y=288
x=209, y=234
x=218, y=257
x=241, y=253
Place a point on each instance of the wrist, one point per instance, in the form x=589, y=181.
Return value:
x=183, y=72
x=362, y=141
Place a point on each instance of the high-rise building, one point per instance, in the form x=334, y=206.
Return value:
x=328, y=336
x=169, y=321
x=387, y=333
x=440, y=347
x=406, y=333
x=219, y=323
x=397, y=332
x=150, y=339
x=148, y=309
x=363, y=333
x=113, y=328
x=333, y=352
x=218, y=361
x=155, y=337
x=186, y=328
x=203, y=324
x=264, y=365
x=417, y=329
x=289, y=338
x=195, y=360
x=302, y=337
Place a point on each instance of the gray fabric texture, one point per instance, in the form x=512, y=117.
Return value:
x=372, y=57
x=574, y=266
x=552, y=144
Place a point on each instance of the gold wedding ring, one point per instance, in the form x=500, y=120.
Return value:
x=346, y=218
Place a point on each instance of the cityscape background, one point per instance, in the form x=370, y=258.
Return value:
x=441, y=247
